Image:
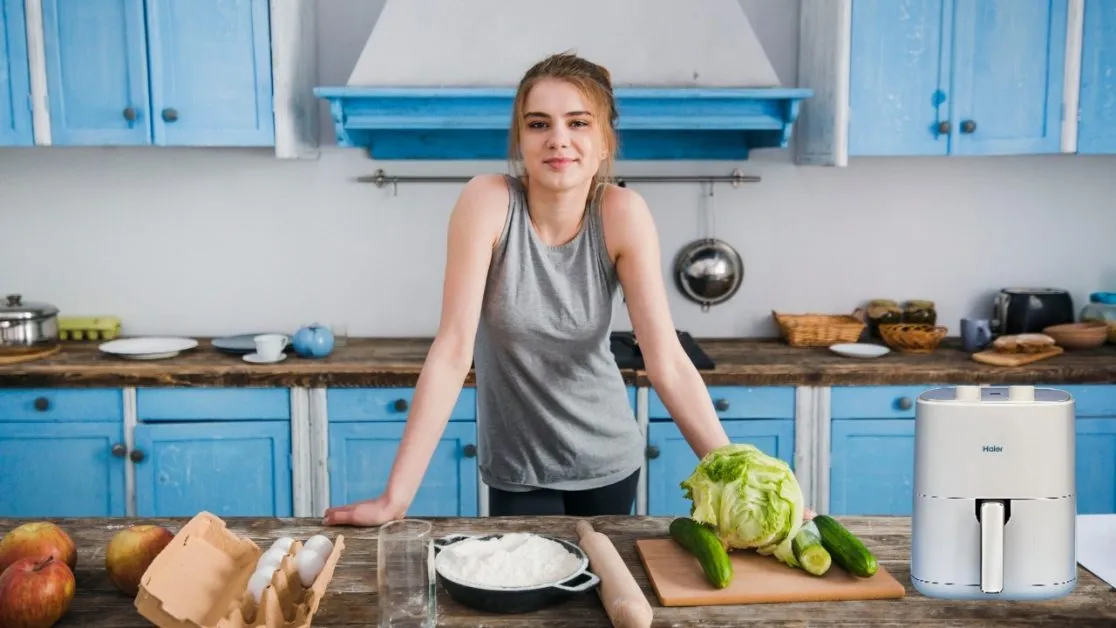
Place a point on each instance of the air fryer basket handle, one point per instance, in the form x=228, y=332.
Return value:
x=992, y=546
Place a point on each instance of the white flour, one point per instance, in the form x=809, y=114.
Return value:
x=513, y=560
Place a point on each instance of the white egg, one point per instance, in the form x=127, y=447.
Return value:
x=270, y=561
x=258, y=582
x=309, y=564
x=320, y=544
x=283, y=544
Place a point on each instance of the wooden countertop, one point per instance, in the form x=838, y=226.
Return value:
x=351, y=597
x=385, y=362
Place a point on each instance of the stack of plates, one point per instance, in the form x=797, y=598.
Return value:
x=148, y=347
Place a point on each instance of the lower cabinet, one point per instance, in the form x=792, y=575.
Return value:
x=761, y=416
x=365, y=430
x=62, y=453
x=872, y=448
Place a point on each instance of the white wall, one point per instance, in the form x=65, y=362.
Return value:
x=225, y=241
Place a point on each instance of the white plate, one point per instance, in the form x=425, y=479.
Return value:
x=255, y=358
x=148, y=347
x=860, y=350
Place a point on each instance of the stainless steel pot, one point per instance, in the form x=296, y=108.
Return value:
x=708, y=271
x=27, y=327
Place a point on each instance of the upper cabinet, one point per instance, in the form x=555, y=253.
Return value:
x=955, y=77
x=171, y=73
x=15, y=79
x=163, y=72
x=1097, y=120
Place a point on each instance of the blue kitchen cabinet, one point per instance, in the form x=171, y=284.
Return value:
x=1095, y=455
x=365, y=428
x=931, y=78
x=223, y=450
x=871, y=469
x=1097, y=119
x=62, y=453
x=161, y=72
x=15, y=77
x=762, y=416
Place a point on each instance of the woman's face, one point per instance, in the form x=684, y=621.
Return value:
x=560, y=140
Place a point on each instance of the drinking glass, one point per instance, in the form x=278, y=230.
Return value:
x=405, y=575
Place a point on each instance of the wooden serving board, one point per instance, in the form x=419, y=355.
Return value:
x=678, y=580
x=999, y=358
x=27, y=357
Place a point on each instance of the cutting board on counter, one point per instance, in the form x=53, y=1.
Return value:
x=677, y=579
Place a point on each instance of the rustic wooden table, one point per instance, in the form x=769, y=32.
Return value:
x=351, y=597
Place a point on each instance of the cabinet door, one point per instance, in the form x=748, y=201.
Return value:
x=231, y=469
x=672, y=460
x=361, y=455
x=897, y=64
x=1008, y=65
x=1097, y=125
x=15, y=79
x=871, y=470
x=1096, y=465
x=211, y=72
x=96, y=62
x=55, y=469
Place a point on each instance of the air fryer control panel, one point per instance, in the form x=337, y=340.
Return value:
x=1018, y=394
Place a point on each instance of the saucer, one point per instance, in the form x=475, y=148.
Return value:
x=859, y=350
x=255, y=358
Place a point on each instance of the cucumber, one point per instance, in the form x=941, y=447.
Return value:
x=847, y=550
x=700, y=540
x=808, y=549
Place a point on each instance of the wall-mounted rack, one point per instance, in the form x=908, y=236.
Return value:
x=380, y=179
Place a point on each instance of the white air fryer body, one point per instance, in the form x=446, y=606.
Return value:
x=995, y=509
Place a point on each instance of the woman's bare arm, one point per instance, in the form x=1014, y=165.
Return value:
x=633, y=240
x=474, y=227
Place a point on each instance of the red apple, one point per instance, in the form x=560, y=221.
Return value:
x=131, y=551
x=35, y=593
x=37, y=539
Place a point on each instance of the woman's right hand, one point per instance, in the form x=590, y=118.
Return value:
x=370, y=512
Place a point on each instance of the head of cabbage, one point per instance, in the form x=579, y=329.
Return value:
x=750, y=499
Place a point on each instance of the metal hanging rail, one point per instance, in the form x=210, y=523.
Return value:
x=381, y=179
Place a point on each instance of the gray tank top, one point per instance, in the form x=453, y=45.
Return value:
x=553, y=410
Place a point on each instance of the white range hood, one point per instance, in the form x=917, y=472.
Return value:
x=436, y=78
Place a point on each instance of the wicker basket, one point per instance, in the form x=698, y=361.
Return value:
x=819, y=330
x=912, y=338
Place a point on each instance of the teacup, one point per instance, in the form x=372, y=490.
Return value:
x=270, y=346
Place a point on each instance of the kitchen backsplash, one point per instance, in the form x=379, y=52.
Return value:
x=221, y=241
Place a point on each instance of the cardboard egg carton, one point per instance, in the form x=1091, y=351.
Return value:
x=200, y=580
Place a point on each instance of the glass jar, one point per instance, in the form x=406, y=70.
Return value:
x=920, y=312
x=1101, y=307
x=882, y=312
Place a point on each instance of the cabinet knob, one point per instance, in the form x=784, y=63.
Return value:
x=944, y=127
x=721, y=405
x=170, y=115
x=136, y=455
x=400, y=405
x=130, y=114
x=652, y=452
x=42, y=404
x=904, y=403
x=968, y=126
x=119, y=450
x=470, y=451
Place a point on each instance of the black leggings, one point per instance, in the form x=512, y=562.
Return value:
x=614, y=499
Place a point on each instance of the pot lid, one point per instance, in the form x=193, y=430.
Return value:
x=14, y=308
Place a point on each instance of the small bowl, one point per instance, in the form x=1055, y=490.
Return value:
x=859, y=350
x=1083, y=335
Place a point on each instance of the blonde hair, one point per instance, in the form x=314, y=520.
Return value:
x=595, y=84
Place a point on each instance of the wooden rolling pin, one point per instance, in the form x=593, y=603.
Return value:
x=622, y=598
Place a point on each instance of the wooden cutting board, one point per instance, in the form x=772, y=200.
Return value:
x=678, y=580
x=998, y=358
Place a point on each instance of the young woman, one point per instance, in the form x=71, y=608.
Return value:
x=534, y=264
